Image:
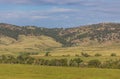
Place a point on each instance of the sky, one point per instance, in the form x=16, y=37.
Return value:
x=59, y=13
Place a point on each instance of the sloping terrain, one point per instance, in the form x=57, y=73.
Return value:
x=14, y=39
x=103, y=33
x=27, y=44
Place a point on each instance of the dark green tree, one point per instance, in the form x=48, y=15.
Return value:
x=78, y=61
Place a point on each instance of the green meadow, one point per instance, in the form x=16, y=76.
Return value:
x=45, y=72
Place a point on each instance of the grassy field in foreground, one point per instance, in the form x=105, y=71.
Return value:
x=45, y=72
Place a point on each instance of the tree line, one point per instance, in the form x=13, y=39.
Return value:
x=75, y=62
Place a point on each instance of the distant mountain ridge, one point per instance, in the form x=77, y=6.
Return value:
x=102, y=33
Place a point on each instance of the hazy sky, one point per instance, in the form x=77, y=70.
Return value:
x=59, y=13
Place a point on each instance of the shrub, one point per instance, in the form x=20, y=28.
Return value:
x=47, y=53
x=94, y=63
x=111, y=64
x=85, y=54
x=113, y=54
x=77, y=55
x=97, y=54
x=78, y=61
x=66, y=55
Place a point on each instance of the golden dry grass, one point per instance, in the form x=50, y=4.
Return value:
x=27, y=44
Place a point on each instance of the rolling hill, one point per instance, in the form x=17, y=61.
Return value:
x=24, y=43
x=31, y=38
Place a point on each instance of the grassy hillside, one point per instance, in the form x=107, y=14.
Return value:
x=4, y=40
x=102, y=33
x=40, y=72
x=27, y=44
x=103, y=38
x=40, y=42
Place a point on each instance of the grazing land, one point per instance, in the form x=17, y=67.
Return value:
x=60, y=53
x=91, y=50
x=85, y=59
x=103, y=38
x=45, y=72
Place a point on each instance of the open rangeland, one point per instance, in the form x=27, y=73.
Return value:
x=45, y=72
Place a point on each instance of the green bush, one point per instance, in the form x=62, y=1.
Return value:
x=78, y=61
x=94, y=63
